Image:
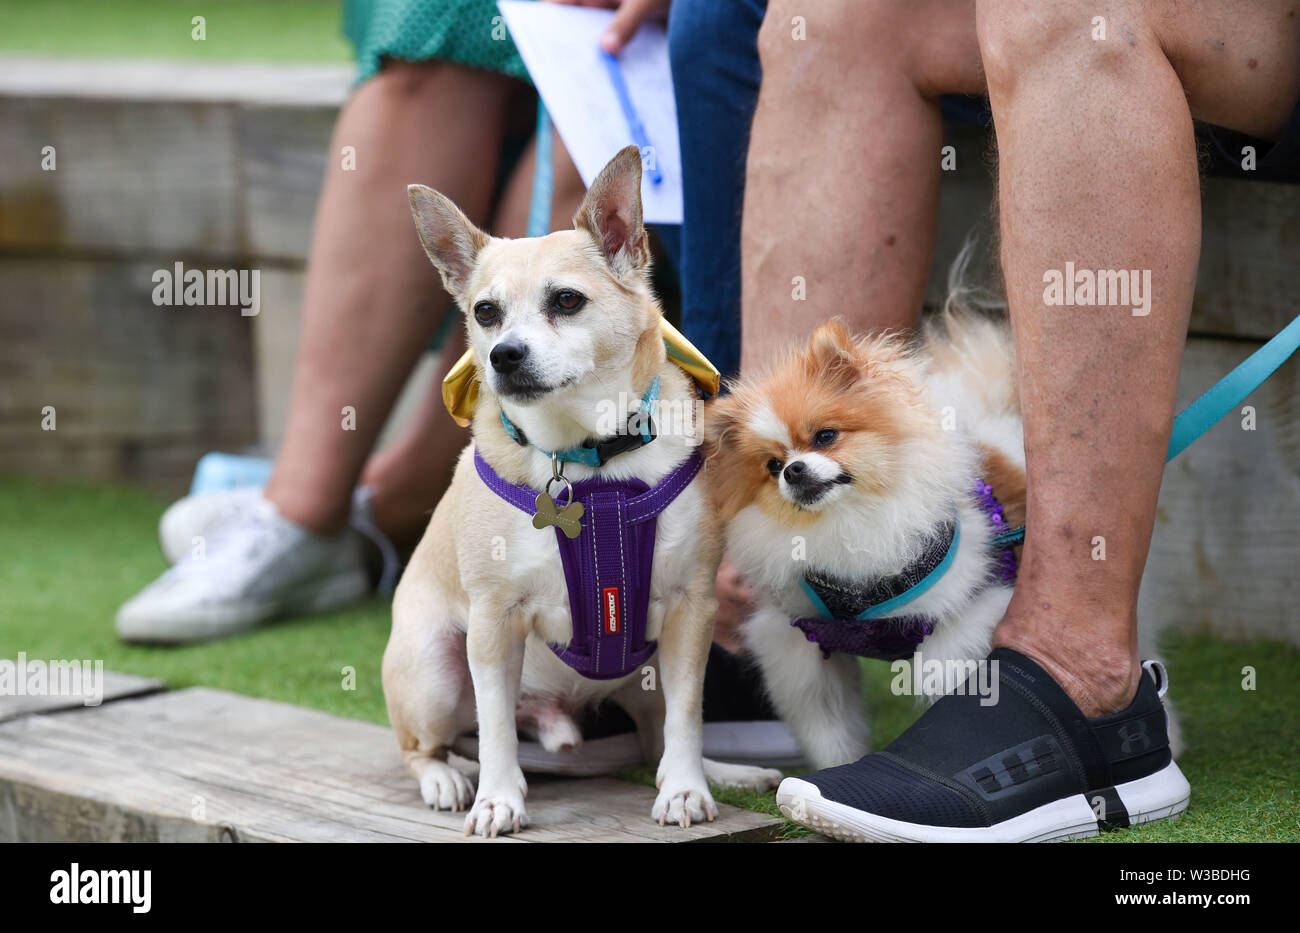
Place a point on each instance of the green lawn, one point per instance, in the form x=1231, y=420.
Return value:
x=236, y=30
x=70, y=553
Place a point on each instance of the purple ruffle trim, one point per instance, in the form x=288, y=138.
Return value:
x=1008, y=566
x=881, y=639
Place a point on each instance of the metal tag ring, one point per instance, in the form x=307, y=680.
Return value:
x=568, y=487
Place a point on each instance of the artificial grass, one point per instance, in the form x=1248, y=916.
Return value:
x=236, y=30
x=71, y=553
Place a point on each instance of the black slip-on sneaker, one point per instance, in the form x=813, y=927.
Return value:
x=1019, y=764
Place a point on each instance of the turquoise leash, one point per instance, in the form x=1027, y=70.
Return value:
x=1232, y=389
x=539, y=208
x=1221, y=398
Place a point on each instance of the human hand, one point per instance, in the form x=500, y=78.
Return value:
x=631, y=14
x=735, y=603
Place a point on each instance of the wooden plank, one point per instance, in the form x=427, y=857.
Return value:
x=129, y=177
x=1225, y=559
x=139, y=392
x=203, y=764
x=115, y=687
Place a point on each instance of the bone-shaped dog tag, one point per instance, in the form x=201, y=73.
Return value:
x=567, y=518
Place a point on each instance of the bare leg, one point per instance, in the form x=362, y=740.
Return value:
x=1098, y=167
x=372, y=300
x=842, y=185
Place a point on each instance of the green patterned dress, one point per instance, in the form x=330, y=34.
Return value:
x=468, y=32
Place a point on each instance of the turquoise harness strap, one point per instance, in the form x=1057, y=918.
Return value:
x=902, y=599
x=1218, y=400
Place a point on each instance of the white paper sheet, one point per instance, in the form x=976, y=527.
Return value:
x=560, y=46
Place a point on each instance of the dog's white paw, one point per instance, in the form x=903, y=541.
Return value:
x=745, y=777
x=445, y=788
x=495, y=814
x=683, y=801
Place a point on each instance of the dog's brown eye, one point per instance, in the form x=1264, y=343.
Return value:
x=774, y=466
x=825, y=437
x=486, y=313
x=568, y=301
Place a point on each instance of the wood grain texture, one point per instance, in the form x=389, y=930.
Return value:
x=137, y=770
x=140, y=392
x=115, y=687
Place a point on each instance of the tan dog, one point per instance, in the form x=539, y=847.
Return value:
x=563, y=328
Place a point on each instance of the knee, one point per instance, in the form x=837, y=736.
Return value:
x=798, y=41
x=1017, y=38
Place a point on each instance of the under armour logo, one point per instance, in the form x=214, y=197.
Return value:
x=1132, y=734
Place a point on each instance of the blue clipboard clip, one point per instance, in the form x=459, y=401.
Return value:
x=634, y=124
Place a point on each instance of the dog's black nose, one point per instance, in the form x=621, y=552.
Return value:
x=507, y=355
x=796, y=472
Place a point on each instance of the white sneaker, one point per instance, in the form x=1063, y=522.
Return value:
x=256, y=566
x=195, y=516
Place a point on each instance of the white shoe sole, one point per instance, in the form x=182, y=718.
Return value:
x=233, y=618
x=1159, y=796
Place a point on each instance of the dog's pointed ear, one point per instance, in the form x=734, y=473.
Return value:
x=833, y=354
x=452, y=242
x=611, y=214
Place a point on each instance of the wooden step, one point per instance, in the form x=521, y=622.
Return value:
x=206, y=765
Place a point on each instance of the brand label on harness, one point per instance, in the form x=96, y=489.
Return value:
x=609, y=600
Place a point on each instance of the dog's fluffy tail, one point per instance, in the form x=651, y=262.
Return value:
x=972, y=364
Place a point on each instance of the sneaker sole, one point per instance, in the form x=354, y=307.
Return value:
x=1160, y=796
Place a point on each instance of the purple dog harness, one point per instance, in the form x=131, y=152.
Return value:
x=607, y=565
x=849, y=610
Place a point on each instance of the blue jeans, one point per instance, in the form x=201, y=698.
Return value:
x=713, y=47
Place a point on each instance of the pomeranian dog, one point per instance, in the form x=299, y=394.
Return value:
x=864, y=480
x=572, y=549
